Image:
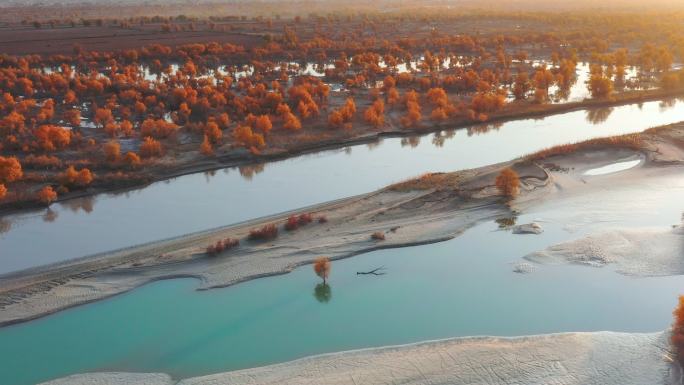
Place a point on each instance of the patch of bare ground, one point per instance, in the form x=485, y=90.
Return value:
x=56, y=41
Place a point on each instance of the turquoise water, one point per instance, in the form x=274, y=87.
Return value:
x=201, y=201
x=462, y=287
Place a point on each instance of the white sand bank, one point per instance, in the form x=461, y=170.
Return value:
x=639, y=252
x=601, y=358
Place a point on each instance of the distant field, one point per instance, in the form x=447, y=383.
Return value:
x=24, y=40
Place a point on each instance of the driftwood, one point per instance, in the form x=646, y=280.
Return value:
x=372, y=272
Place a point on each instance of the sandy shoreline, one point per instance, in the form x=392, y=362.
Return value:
x=412, y=213
x=604, y=358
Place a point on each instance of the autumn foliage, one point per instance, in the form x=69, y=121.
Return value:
x=291, y=122
x=131, y=159
x=151, y=148
x=378, y=236
x=46, y=195
x=631, y=141
x=157, y=128
x=295, y=221
x=677, y=336
x=248, y=138
x=413, y=114
x=263, y=124
x=222, y=245
x=10, y=169
x=508, y=182
x=112, y=150
x=213, y=132
x=375, y=114
x=344, y=115
x=487, y=102
x=43, y=161
x=71, y=177
x=264, y=233
x=206, y=148
x=52, y=138
x=600, y=86
x=322, y=267
x=74, y=107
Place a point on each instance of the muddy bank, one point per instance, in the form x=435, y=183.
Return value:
x=431, y=208
x=604, y=358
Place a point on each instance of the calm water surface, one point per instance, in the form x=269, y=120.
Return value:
x=461, y=287
x=200, y=201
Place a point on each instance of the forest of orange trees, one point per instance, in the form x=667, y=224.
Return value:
x=238, y=89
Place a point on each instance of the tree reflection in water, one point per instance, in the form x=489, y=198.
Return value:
x=85, y=204
x=248, y=171
x=5, y=225
x=323, y=292
x=484, y=128
x=666, y=104
x=411, y=141
x=506, y=222
x=50, y=215
x=598, y=115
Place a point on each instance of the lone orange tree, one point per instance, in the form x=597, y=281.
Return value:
x=508, y=182
x=322, y=267
x=677, y=338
